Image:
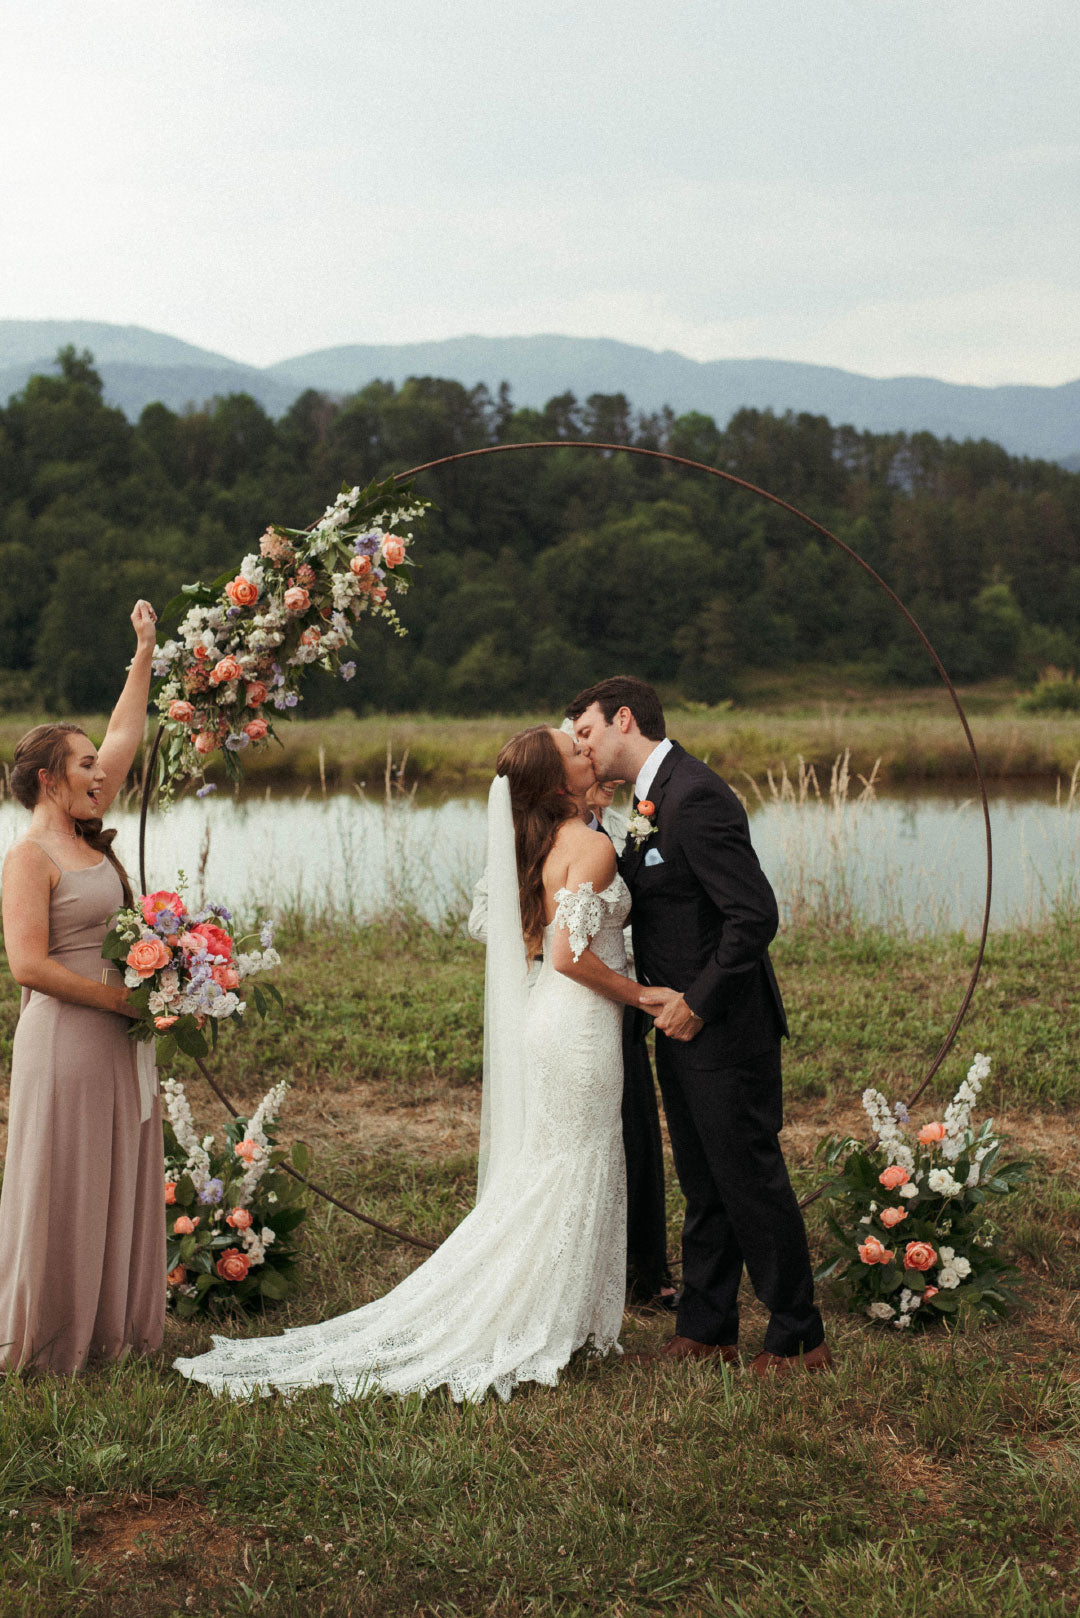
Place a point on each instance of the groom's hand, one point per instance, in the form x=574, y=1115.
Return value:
x=672, y=1015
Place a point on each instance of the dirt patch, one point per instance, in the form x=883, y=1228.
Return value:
x=141, y=1528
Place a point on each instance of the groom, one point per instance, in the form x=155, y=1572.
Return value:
x=703, y=918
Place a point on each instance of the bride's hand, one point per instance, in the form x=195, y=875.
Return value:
x=144, y=622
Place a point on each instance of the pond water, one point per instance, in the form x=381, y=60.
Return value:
x=914, y=862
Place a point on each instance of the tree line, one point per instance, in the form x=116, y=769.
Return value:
x=538, y=572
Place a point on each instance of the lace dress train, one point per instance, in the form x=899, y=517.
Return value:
x=537, y=1269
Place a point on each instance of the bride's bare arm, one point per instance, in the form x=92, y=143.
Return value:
x=589, y=857
x=117, y=752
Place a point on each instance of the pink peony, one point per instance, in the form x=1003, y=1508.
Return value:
x=181, y=711
x=233, y=1265
x=148, y=956
x=239, y=1219
x=296, y=599
x=929, y=1133
x=871, y=1251
x=257, y=729
x=205, y=742
x=893, y=1176
x=152, y=904
x=242, y=592
x=225, y=669
x=215, y=939
x=393, y=550
x=919, y=1256
x=892, y=1216
x=256, y=693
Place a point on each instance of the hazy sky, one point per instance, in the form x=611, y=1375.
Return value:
x=891, y=186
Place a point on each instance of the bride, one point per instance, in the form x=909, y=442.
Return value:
x=538, y=1268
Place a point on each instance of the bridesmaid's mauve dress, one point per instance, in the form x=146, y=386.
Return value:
x=82, y=1213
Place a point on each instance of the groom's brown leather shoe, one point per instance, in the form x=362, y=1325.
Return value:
x=686, y=1348
x=780, y=1365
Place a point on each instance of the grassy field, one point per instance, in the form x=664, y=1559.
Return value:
x=916, y=736
x=942, y=1472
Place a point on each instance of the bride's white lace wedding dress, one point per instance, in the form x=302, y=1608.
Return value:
x=537, y=1269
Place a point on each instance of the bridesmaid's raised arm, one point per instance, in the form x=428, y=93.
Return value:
x=128, y=721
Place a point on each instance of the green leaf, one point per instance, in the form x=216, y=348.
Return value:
x=190, y=1040
x=260, y=1000
x=272, y=1285
x=166, y=1050
x=301, y=1156
x=275, y=994
x=185, y=1191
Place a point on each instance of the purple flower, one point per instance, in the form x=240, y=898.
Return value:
x=291, y=700
x=211, y=1193
x=348, y=670
x=226, y=915
x=232, y=612
x=205, y=791
x=378, y=573
x=237, y=742
x=902, y=1114
x=266, y=934
x=367, y=544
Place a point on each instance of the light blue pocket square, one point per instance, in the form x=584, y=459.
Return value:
x=654, y=857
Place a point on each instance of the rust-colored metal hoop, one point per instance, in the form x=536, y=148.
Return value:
x=785, y=505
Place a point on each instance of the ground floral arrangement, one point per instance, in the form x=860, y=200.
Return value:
x=241, y=649
x=230, y=1210
x=910, y=1213
x=186, y=973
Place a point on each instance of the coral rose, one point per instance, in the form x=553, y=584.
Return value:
x=217, y=941
x=161, y=1023
x=871, y=1251
x=233, y=1265
x=919, y=1256
x=256, y=693
x=893, y=1176
x=246, y=1149
x=177, y=1277
x=257, y=729
x=296, y=599
x=930, y=1292
x=206, y=742
x=393, y=550
x=929, y=1133
x=148, y=956
x=226, y=977
x=239, y=1219
x=181, y=711
x=152, y=905
x=360, y=565
x=242, y=592
x=185, y=1226
x=892, y=1216
x=646, y=807
x=170, y=1193
x=225, y=669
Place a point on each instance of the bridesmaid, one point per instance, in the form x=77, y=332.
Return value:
x=82, y=1212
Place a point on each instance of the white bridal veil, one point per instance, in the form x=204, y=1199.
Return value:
x=502, y=1112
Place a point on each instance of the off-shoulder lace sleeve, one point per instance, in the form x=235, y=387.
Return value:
x=582, y=914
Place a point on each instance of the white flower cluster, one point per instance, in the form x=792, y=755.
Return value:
x=881, y=1311
x=942, y=1182
x=264, y=1114
x=887, y=1131
x=958, y=1112
x=256, y=1243
x=183, y=1127
x=952, y=1268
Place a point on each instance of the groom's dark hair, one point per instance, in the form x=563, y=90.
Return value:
x=623, y=691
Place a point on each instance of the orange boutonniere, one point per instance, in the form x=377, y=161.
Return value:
x=642, y=823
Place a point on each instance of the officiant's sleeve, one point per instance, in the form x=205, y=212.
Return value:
x=715, y=838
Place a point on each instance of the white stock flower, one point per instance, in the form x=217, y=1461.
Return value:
x=902, y=1321
x=881, y=1311
x=251, y=568
x=909, y=1301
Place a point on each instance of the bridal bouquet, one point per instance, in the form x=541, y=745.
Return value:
x=910, y=1213
x=186, y=972
x=229, y=1210
x=241, y=649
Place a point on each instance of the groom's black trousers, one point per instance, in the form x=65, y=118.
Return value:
x=646, y=1214
x=724, y=1123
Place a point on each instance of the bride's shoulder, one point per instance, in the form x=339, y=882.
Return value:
x=587, y=855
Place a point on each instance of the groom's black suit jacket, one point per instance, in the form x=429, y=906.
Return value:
x=704, y=917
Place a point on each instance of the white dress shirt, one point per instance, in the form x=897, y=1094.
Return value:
x=647, y=773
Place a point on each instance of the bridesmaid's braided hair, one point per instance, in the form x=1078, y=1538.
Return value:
x=46, y=747
x=533, y=765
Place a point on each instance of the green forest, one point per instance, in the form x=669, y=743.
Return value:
x=538, y=572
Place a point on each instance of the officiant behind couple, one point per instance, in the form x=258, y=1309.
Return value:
x=536, y=1271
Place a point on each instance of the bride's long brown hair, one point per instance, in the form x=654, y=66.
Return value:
x=533, y=765
x=47, y=747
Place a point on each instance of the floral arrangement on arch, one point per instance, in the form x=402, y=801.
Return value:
x=230, y=1210
x=186, y=972
x=915, y=1240
x=240, y=651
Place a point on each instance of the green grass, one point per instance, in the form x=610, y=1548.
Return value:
x=934, y=1473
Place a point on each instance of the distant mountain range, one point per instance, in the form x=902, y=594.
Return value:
x=140, y=366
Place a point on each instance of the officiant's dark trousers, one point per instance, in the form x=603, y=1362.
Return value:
x=646, y=1214
x=724, y=1123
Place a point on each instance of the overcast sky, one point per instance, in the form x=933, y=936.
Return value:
x=890, y=186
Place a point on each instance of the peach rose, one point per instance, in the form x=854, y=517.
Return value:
x=393, y=550
x=226, y=977
x=152, y=904
x=892, y=1216
x=181, y=711
x=225, y=669
x=185, y=1226
x=242, y=592
x=311, y=637
x=893, y=1176
x=206, y=742
x=177, y=1277
x=360, y=565
x=161, y=1023
x=919, y=1256
x=239, y=1219
x=246, y=1149
x=257, y=729
x=929, y=1292
x=148, y=956
x=215, y=939
x=871, y=1251
x=296, y=599
x=646, y=807
x=170, y=1193
x=201, y=653
x=929, y=1133
x=256, y=693
x=233, y=1265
